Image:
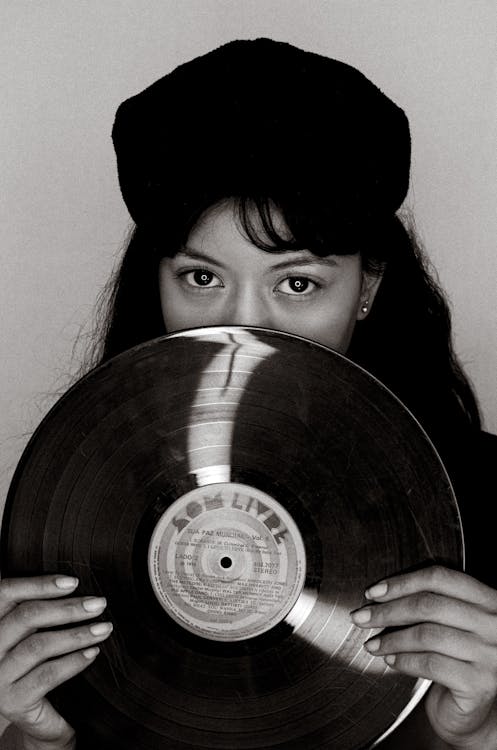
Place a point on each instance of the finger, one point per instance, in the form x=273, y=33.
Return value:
x=42, y=647
x=429, y=637
x=438, y=580
x=43, y=724
x=24, y=695
x=30, y=616
x=16, y=590
x=428, y=607
x=462, y=678
x=49, y=675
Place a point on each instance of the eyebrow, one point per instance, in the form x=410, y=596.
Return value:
x=301, y=261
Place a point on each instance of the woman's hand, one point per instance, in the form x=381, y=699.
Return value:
x=32, y=662
x=446, y=631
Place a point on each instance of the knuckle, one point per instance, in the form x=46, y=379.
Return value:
x=484, y=685
x=493, y=631
x=80, y=636
x=50, y=674
x=419, y=634
x=415, y=604
x=436, y=573
x=8, y=709
x=45, y=676
x=431, y=665
x=13, y=590
x=4, y=700
x=27, y=613
x=399, y=584
x=423, y=604
x=436, y=577
x=6, y=585
x=489, y=690
x=425, y=634
x=34, y=647
x=11, y=703
x=74, y=612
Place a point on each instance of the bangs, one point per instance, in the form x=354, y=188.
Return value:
x=299, y=220
x=265, y=225
x=293, y=224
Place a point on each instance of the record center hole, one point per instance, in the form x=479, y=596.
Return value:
x=226, y=562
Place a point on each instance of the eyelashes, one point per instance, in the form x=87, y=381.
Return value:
x=202, y=277
x=199, y=279
x=297, y=286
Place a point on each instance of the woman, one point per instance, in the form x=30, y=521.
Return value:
x=264, y=183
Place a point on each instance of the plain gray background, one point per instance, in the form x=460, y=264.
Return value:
x=66, y=66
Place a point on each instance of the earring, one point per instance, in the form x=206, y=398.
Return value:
x=364, y=306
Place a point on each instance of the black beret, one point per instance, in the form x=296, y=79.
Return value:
x=259, y=117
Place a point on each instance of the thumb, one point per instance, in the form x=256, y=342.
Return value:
x=449, y=718
x=41, y=723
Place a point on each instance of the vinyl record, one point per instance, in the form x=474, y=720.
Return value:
x=232, y=492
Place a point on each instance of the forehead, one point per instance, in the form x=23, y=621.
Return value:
x=225, y=218
x=218, y=237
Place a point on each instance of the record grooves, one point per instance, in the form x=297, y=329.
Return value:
x=232, y=492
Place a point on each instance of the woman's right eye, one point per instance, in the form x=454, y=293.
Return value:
x=201, y=277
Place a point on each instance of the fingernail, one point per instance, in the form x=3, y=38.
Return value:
x=373, y=644
x=66, y=582
x=390, y=659
x=94, y=603
x=361, y=616
x=379, y=589
x=91, y=653
x=101, y=628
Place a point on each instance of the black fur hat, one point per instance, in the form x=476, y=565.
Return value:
x=259, y=117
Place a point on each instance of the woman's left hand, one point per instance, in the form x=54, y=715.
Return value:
x=448, y=634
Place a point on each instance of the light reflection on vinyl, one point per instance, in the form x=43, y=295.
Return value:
x=232, y=492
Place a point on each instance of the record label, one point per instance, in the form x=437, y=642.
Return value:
x=227, y=561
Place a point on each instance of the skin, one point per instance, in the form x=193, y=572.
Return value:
x=220, y=278
x=442, y=623
x=448, y=634
x=33, y=663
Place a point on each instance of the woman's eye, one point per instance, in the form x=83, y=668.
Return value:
x=296, y=285
x=201, y=277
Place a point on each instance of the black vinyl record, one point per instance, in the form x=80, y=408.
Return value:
x=232, y=492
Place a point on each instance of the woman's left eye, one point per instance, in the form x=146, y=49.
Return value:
x=296, y=285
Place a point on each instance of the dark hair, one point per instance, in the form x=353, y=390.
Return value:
x=405, y=341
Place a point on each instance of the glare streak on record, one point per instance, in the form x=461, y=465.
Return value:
x=230, y=435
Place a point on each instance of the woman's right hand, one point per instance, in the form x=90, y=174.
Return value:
x=32, y=662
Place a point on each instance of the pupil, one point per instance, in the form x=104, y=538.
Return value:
x=202, y=278
x=299, y=284
x=226, y=562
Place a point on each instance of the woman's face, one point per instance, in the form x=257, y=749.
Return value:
x=220, y=278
